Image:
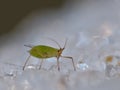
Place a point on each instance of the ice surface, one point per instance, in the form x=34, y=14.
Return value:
x=92, y=28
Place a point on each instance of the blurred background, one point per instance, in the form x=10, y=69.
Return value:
x=12, y=12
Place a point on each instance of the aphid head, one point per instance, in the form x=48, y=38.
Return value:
x=61, y=49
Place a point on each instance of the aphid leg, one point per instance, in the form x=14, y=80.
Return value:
x=58, y=64
x=41, y=64
x=72, y=61
x=26, y=62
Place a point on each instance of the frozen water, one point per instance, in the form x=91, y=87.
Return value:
x=92, y=29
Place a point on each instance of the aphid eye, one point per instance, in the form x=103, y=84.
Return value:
x=58, y=51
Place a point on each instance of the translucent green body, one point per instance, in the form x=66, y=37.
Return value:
x=42, y=51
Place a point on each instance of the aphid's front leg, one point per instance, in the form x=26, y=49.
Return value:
x=72, y=61
x=58, y=64
x=41, y=64
x=26, y=62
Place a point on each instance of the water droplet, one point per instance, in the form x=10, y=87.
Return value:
x=82, y=66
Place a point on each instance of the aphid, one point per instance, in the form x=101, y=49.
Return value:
x=43, y=52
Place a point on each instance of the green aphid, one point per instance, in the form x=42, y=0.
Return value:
x=43, y=52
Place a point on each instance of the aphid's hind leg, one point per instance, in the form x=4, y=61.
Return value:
x=41, y=64
x=72, y=61
x=26, y=62
x=58, y=64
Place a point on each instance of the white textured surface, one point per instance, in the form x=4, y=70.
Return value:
x=92, y=28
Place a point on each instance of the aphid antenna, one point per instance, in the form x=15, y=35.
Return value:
x=65, y=43
x=55, y=42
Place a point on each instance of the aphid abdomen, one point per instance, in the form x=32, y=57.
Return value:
x=41, y=51
x=34, y=53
